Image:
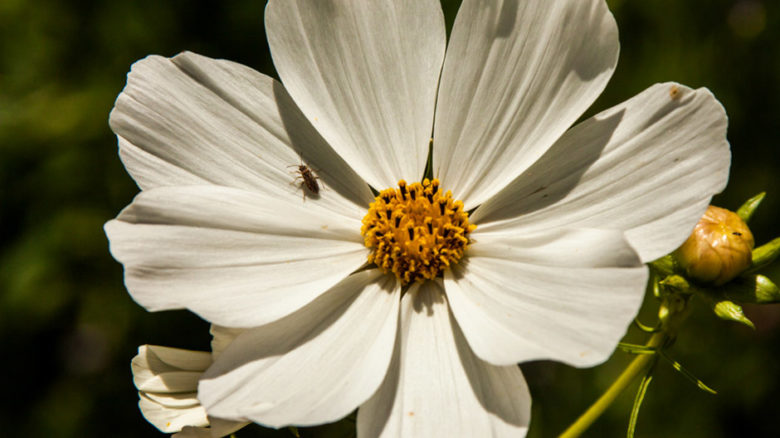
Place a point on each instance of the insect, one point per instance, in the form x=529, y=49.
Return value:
x=308, y=179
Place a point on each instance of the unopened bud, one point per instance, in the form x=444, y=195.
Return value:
x=719, y=248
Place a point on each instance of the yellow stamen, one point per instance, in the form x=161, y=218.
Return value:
x=416, y=231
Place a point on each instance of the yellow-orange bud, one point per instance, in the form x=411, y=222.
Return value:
x=719, y=248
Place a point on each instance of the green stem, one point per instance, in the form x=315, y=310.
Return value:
x=636, y=368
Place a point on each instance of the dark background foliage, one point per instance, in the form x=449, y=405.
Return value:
x=68, y=328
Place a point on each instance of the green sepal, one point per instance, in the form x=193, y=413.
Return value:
x=754, y=289
x=666, y=265
x=677, y=283
x=765, y=254
x=749, y=207
x=656, y=288
x=731, y=311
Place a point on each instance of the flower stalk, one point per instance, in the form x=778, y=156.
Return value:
x=672, y=312
x=637, y=367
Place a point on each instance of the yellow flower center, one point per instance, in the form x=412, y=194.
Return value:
x=416, y=231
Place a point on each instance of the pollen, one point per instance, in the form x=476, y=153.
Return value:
x=416, y=231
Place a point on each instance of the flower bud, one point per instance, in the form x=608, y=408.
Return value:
x=719, y=248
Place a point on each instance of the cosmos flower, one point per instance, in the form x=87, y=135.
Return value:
x=167, y=382
x=412, y=303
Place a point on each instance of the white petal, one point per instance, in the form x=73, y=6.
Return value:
x=194, y=432
x=172, y=420
x=220, y=427
x=236, y=258
x=315, y=366
x=365, y=74
x=176, y=405
x=170, y=382
x=648, y=166
x=517, y=74
x=188, y=360
x=436, y=387
x=567, y=295
x=221, y=338
x=177, y=400
x=165, y=369
x=194, y=120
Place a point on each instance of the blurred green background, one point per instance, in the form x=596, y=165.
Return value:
x=69, y=329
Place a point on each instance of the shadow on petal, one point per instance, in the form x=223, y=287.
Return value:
x=280, y=337
x=501, y=390
x=431, y=300
x=316, y=153
x=583, y=51
x=314, y=366
x=541, y=185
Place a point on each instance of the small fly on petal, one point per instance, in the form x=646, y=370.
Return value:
x=307, y=179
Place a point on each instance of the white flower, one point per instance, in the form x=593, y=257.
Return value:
x=167, y=382
x=565, y=216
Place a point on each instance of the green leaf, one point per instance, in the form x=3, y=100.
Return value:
x=687, y=374
x=294, y=431
x=755, y=289
x=765, y=254
x=731, y=311
x=749, y=207
x=640, y=397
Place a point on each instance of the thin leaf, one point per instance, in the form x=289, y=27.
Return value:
x=636, y=348
x=646, y=328
x=640, y=397
x=687, y=374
